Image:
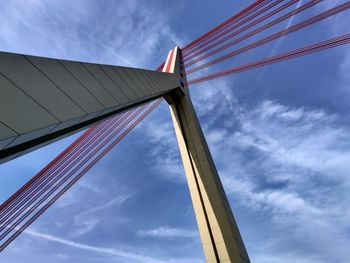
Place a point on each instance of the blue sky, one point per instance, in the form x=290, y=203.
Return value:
x=279, y=135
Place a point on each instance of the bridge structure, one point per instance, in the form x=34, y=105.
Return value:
x=43, y=100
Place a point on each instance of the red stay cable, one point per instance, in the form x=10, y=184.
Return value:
x=61, y=157
x=46, y=206
x=47, y=167
x=327, y=44
x=62, y=154
x=10, y=228
x=274, y=36
x=221, y=25
x=38, y=193
x=210, y=44
x=223, y=28
x=257, y=30
x=45, y=177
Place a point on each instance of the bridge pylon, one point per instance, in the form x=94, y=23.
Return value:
x=221, y=239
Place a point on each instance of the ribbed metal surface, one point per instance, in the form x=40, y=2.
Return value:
x=40, y=97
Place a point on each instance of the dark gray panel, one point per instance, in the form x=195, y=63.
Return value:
x=6, y=142
x=156, y=80
x=68, y=123
x=90, y=116
x=107, y=82
x=143, y=83
x=30, y=135
x=120, y=82
x=28, y=78
x=85, y=78
x=66, y=82
x=160, y=80
x=109, y=110
x=130, y=81
x=6, y=135
x=6, y=132
x=114, y=87
x=149, y=76
x=45, y=99
x=168, y=79
x=20, y=112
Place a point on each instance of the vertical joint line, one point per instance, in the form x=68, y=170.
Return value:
x=197, y=186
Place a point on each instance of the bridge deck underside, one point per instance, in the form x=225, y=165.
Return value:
x=44, y=99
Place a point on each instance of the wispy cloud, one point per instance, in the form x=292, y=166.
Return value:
x=110, y=49
x=114, y=202
x=160, y=134
x=87, y=220
x=168, y=232
x=126, y=34
x=95, y=249
x=288, y=163
x=107, y=251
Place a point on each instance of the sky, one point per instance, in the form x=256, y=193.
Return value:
x=279, y=135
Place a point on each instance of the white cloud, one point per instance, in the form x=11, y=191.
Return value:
x=307, y=138
x=84, y=226
x=85, y=221
x=289, y=164
x=169, y=232
x=114, y=202
x=114, y=252
x=97, y=249
x=160, y=134
x=67, y=29
x=110, y=49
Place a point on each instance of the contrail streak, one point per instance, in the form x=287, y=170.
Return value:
x=103, y=250
x=108, y=48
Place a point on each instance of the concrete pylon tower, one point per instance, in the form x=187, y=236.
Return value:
x=219, y=233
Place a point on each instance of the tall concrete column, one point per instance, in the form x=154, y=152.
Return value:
x=219, y=233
